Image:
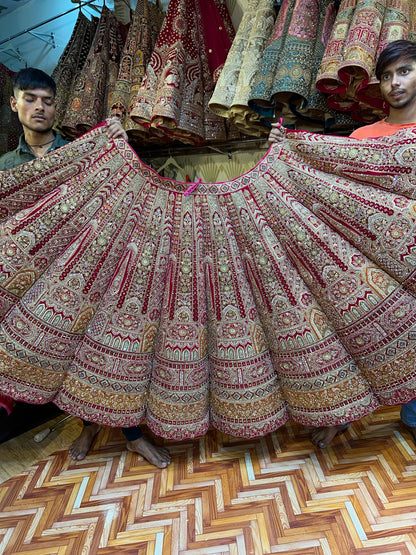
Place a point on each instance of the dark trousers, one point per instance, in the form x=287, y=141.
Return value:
x=130, y=434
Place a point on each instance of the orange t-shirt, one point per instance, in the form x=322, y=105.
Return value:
x=379, y=129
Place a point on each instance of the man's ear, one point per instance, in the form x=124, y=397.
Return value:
x=13, y=103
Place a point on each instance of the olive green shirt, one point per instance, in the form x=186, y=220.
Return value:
x=23, y=153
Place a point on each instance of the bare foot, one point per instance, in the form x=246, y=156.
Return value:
x=154, y=454
x=322, y=437
x=411, y=430
x=82, y=444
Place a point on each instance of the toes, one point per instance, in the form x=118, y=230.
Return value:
x=76, y=455
x=80, y=447
x=323, y=444
x=158, y=456
x=322, y=437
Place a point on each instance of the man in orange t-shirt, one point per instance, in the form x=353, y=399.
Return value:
x=396, y=71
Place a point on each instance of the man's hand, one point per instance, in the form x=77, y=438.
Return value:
x=115, y=129
x=276, y=134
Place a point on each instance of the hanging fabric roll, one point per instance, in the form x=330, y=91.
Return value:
x=10, y=127
x=232, y=91
x=361, y=30
x=172, y=101
x=88, y=103
x=285, y=79
x=141, y=40
x=71, y=62
x=412, y=32
x=287, y=292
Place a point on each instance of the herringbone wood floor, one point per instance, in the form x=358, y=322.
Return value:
x=222, y=495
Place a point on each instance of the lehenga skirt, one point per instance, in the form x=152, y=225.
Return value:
x=288, y=292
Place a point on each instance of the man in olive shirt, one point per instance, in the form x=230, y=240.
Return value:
x=23, y=152
x=34, y=101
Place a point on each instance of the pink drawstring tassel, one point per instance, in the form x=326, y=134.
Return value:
x=192, y=188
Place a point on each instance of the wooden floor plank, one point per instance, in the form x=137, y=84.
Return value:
x=278, y=494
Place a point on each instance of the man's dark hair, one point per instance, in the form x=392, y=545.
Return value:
x=405, y=49
x=32, y=78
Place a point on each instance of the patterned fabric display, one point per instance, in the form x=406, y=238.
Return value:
x=10, y=127
x=141, y=40
x=285, y=79
x=71, y=63
x=89, y=100
x=172, y=101
x=232, y=91
x=361, y=30
x=288, y=292
x=412, y=32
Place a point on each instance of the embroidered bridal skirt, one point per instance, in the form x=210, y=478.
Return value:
x=288, y=292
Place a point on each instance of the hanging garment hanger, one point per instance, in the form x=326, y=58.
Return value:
x=170, y=162
x=87, y=5
x=96, y=7
x=215, y=149
x=172, y=169
x=14, y=53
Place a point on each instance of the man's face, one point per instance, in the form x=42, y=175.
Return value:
x=398, y=83
x=36, y=109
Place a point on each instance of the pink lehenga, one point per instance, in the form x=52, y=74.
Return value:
x=288, y=292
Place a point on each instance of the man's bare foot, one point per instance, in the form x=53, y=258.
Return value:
x=154, y=454
x=322, y=437
x=82, y=444
x=411, y=430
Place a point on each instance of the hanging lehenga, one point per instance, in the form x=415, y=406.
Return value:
x=141, y=40
x=361, y=31
x=232, y=91
x=288, y=292
x=10, y=126
x=172, y=101
x=285, y=80
x=71, y=62
x=87, y=104
x=412, y=30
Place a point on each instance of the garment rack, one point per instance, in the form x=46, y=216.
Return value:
x=225, y=148
x=30, y=29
